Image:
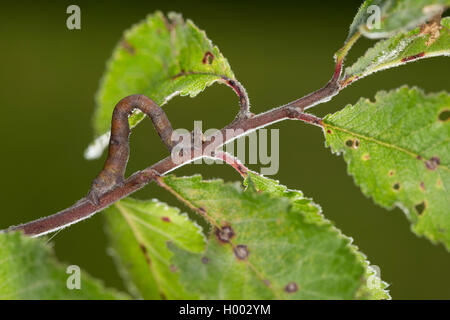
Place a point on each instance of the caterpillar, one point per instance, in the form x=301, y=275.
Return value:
x=113, y=171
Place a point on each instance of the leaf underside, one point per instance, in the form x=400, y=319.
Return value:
x=423, y=42
x=396, y=16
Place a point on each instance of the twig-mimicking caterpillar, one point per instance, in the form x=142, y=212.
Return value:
x=114, y=169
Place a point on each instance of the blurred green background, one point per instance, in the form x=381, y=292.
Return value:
x=278, y=50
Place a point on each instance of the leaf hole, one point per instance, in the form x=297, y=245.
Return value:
x=396, y=186
x=444, y=115
x=349, y=143
x=420, y=207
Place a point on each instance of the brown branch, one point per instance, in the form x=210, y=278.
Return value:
x=232, y=161
x=242, y=125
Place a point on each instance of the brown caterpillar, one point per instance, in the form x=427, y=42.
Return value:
x=113, y=171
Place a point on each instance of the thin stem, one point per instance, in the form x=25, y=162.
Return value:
x=232, y=161
x=241, y=126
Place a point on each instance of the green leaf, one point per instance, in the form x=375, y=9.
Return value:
x=397, y=149
x=160, y=57
x=138, y=233
x=28, y=270
x=396, y=15
x=267, y=242
x=417, y=44
x=385, y=18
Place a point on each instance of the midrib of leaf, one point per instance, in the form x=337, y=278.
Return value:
x=394, y=63
x=195, y=73
x=148, y=226
x=259, y=274
x=141, y=240
x=414, y=42
x=383, y=143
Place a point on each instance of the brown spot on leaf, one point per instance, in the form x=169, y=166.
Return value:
x=291, y=287
x=205, y=260
x=329, y=131
x=266, y=282
x=444, y=115
x=433, y=163
x=165, y=219
x=365, y=156
x=224, y=234
x=432, y=29
x=173, y=268
x=208, y=58
x=420, y=207
x=128, y=47
x=413, y=57
x=391, y=173
x=241, y=251
x=422, y=186
x=145, y=252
